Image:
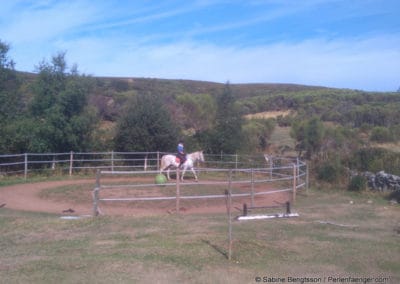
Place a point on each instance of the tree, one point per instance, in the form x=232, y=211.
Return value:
x=308, y=135
x=198, y=111
x=381, y=134
x=63, y=122
x=145, y=125
x=10, y=99
x=9, y=85
x=227, y=134
x=256, y=132
x=5, y=61
x=51, y=82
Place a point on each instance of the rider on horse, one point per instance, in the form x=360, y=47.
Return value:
x=181, y=153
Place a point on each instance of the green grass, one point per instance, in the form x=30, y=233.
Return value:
x=77, y=193
x=42, y=248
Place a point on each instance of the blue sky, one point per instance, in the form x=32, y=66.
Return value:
x=351, y=44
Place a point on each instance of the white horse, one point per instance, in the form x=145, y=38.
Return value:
x=169, y=161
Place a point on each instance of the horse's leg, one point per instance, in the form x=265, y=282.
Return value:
x=162, y=166
x=168, y=173
x=163, y=169
x=183, y=172
x=194, y=173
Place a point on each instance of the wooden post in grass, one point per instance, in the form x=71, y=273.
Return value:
x=158, y=161
x=96, y=195
x=252, y=187
x=271, y=167
x=178, y=193
x=71, y=162
x=288, y=211
x=112, y=160
x=228, y=194
x=26, y=166
x=294, y=183
x=307, y=178
x=245, y=210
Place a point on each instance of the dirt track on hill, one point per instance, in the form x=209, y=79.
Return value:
x=27, y=197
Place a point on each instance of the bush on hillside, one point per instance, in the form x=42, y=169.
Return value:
x=357, y=183
x=381, y=134
x=329, y=171
x=395, y=195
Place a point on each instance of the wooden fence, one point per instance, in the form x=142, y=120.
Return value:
x=78, y=162
x=242, y=182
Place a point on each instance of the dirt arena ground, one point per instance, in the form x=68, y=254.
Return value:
x=29, y=197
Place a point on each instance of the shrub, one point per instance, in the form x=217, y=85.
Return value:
x=395, y=195
x=381, y=134
x=357, y=183
x=329, y=171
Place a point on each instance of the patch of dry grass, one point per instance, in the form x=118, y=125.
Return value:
x=42, y=248
x=268, y=114
x=394, y=147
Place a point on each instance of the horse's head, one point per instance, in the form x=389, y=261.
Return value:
x=201, y=156
x=197, y=156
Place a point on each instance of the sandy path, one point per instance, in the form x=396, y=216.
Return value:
x=26, y=197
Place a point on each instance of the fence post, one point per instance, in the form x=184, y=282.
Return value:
x=96, y=194
x=71, y=162
x=112, y=160
x=145, y=163
x=236, y=161
x=288, y=211
x=26, y=166
x=178, y=193
x=271, y=166
x=298, y=169
x=252, y=187
x=307, y=178
x=158, y=160
x=294, y=183
x=53, y=164
x=229, y=209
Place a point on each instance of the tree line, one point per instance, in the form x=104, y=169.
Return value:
x=53, y=113
x=58, y=109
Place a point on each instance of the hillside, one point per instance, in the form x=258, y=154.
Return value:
x=252, y=98
x=337, y=129
x=282, y=102
x=354, y=129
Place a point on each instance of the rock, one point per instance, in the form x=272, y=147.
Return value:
x=382, y=181
x=69, y=211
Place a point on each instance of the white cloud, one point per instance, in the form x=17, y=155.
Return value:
x=36, y=23
x=369, y=64
x=87, y=32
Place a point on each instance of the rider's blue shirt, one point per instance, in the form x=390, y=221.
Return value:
x=180, y=148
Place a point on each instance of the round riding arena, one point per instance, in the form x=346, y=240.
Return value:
x=259, y=183
x=270, y=185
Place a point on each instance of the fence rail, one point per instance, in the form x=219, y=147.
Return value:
x=77, y=162
x=242, y=182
